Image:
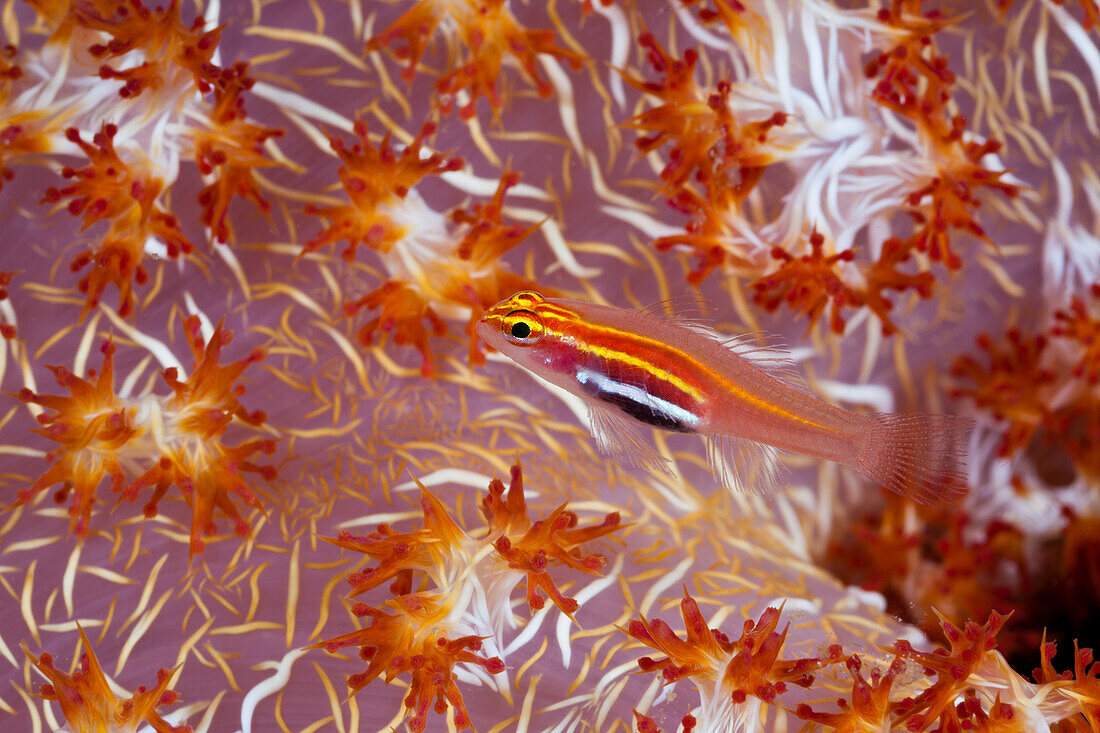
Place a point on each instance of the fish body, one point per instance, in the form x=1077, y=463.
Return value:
x=645, y=368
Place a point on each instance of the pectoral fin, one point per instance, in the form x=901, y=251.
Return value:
x=625, y=441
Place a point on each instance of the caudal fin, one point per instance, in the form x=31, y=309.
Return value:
x=918, y=456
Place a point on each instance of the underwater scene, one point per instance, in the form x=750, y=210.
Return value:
x=559, y=365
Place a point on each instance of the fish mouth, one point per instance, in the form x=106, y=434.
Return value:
x=483, y=329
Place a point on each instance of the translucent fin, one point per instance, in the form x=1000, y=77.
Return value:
x=690, y=311
x=625, y=441
x=689, y=307
x=920, y=457
x=768, y=352
x=744, y=465
x=765, y=350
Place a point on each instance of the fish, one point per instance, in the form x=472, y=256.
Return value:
x=652, y=368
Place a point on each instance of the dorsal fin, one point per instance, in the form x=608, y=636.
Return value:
x=689, y=307
x=767, y=351
x=764, y=350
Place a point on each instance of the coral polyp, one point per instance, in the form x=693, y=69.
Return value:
x=726, y=672
x=409, y=642
x=230, y=149
x=432, y=264
x=126, y=195
x=375, y=179
x=451, y=591
x=490, y=35
x=90, y=426
x=153, y=441
x=91, y=706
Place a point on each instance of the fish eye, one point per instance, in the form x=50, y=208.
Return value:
x=522, y=327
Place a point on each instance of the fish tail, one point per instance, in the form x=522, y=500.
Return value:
x=920, y=457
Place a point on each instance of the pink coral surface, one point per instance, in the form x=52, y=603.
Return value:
x=251, y=440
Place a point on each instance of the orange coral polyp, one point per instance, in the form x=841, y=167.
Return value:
x=99, y=435
x=126, y=195
x=170, y=49
x=748, y=666
x=487, y=237
x=870, y=706
x=399, y=554
x=91, y=426
x=424, y=629
x=714, y=162
x=556, y=538
x=375, y=177
x=230, y=149
x=90, y=706
x=490, y=34
x=408, y=641
x=952, y=667
x=403, y=312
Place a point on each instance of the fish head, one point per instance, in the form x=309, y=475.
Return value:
x=513, y=326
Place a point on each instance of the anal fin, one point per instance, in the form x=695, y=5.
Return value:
x=744, y=465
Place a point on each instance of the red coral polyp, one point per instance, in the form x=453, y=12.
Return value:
x=487, y=236
x=1010, y=387
x=808, y=284
x=914, y=81
x=1076, y=323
